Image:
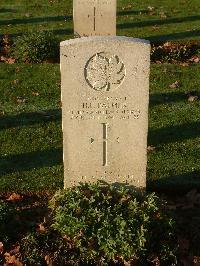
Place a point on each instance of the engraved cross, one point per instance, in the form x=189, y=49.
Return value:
x=105, y=141
x=94, y=18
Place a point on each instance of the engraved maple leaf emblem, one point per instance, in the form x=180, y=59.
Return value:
x=104, y=72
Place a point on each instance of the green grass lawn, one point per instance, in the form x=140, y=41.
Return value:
x=151, y=19
x=30, y=113
x=31, y=137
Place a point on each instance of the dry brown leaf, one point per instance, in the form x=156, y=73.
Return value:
x=10, y=60
x=167, y=44
x=150, y=8
x=175, y=85
x=15, y=197
x=16, y=81
x=196, y=261
x=5, y=39
x=48, y=260
x=195, y=59
x=41, y=228
x=1, y=247
x=11, y=260
x=17, y=69
x=3, y=58
x=192, y=98
x=21, y=100
x=151, y=148
x=163, y=15
x=35, y=93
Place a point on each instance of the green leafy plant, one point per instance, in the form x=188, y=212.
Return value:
x=36, y=47
x=98, y=224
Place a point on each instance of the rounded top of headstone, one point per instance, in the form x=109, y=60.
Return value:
x=104, y=38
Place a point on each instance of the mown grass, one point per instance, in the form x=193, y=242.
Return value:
x=31, y=142
x=31, y=137
x=151, y=19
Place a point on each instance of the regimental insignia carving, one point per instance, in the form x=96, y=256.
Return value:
x=104, y=72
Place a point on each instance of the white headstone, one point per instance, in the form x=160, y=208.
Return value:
x=105, y=96
x=94, y=17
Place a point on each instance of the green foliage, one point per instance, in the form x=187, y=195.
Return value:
x=36, y=47
x=108, y=222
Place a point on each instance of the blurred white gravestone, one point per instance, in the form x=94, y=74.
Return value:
x=94, y=17
x=105, y=96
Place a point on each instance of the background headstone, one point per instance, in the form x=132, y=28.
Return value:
x=94, y=17
x=105, y=95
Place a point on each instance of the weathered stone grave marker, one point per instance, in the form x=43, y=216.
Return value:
x=94, y=17
x=105, y=95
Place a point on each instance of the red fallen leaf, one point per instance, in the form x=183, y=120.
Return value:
x=11, y=260
x=175, y=85
x=196, y=261
x=15, y=197
x=1, y=247
x=41, y=228
x=3, y=58
x=195, y=59
x=10, y=60
x=48, y=260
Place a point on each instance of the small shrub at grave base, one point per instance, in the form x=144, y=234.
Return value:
x=102, y=225
x=36, y=47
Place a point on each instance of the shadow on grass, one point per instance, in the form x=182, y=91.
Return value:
x=55, y=31
x=6, y=10
x=178, y=184
x=63, y=31
x=131, y=12
x=174, y=133
x=35, y=20
x=166, y=98
x=174, y=36
x=27, y=161
x=140, y=24
x=26, y=119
